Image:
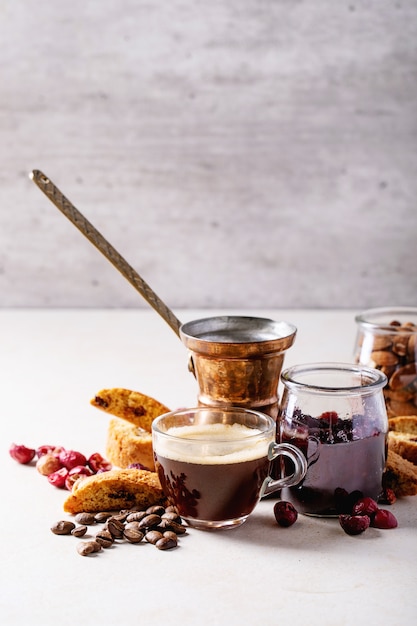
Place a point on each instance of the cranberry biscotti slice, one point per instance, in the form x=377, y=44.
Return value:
x=114, y=490
x=403, y=424
x=404, y=444
x=400, y=475
x=127, y=444
x=133, y=406
x=402, y=436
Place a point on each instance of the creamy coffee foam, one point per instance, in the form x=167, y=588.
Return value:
x=212, y=444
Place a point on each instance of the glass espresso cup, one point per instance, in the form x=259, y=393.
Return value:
x=214, y=463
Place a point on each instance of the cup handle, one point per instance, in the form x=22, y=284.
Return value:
x=276, y=450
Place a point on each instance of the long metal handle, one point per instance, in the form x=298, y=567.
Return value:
x=88, y=230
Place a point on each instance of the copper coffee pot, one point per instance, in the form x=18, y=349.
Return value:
x=236, y=360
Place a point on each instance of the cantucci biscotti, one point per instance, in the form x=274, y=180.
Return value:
x=400, y=475
x=127, y=444
x=133, y=406
x=114, y=490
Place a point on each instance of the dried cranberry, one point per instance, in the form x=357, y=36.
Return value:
x=355, y=496
x=70, y=480
x=79, y=471
x=285, y=514
x=365, y=506
x=354, y=524
x=138, y=466
x=72, y=458
x=342, y=500
x=58, y=450
x=384, y=519
x=388, y=496
x=83, y=470
x=73, y=476
x=330, y=416
x=21, y=454
x=57, y=479
x=43, y=450
x=97, y=463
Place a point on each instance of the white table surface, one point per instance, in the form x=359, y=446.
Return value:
x=52, y=363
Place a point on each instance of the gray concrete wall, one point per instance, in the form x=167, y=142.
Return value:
x=246, y=153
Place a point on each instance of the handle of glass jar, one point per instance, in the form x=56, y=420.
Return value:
x=289, y=451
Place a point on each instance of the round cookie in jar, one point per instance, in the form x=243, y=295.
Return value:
x=387, y=340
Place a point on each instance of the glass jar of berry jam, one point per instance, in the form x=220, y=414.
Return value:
x=335, y=413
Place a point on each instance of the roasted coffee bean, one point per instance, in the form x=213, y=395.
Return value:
x=152, y=536
x=128, y=511
x=132, y=525
x=150, y=521
x=171, y=535
x=164, y=524
x=102, y=516
x=171, y=516
x=104, y=538
x=115, y=527
x=166, y=543
x=132, y=533
x=171, y=509
x=157, y=509
x=63, y=527
x=79, y=531
x=136, y=516
x=157, y=525
x=88, y=547
x=86, y=519
x=178, y=529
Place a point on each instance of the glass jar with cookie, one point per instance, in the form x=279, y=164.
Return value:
x=387, y=340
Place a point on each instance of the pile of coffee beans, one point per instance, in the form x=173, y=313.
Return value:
x=157, y=525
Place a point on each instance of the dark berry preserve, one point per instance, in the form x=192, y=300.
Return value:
x=343, y=456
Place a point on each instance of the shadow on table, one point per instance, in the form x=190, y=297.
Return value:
x=308, y=533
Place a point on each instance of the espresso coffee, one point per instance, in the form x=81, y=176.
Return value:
x=217, y=476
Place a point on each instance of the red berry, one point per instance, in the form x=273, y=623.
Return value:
x=58, y=450
x=354, y=496
x=330, y=416
x=384, y=519
x=138, y=466
x=97, y=463
x=354, y=524
x=388, y=496
x=365, y=506
x=21, y=454
x=42, y=450
x=57, y=479
x=285, y=514
x=81, y=471
x=342, y=500
x=70, y=480
x=72, y=458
